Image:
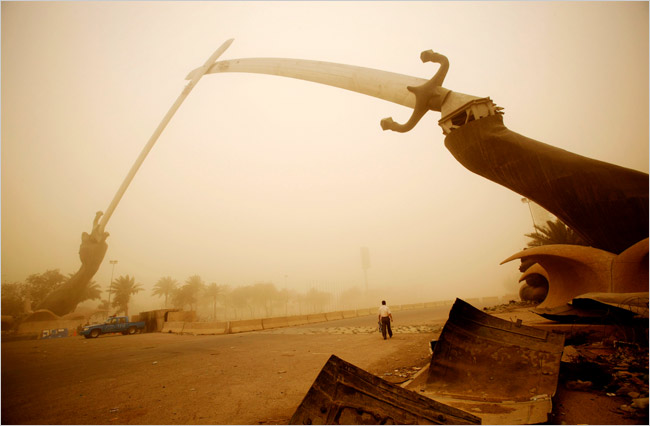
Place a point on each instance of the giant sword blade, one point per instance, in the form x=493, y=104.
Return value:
x=197, y=74
x=413, y=92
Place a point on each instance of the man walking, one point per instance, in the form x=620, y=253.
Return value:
x=385, y=318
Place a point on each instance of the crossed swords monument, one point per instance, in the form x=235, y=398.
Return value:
x=605, y=204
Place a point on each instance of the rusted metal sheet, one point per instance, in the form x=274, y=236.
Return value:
x=345, y=394
x=502, y=371
x=634, y=303
x=600, y=308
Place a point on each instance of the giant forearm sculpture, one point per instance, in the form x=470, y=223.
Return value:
x=91, y=252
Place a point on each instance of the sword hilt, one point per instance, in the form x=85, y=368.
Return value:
x=428, y=96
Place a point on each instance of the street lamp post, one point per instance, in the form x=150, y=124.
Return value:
x=112, y=262
x=527, y=201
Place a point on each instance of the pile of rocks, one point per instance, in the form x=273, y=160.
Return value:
x=508, y=307
x=630, y=377
x=406, y=329
x=401, y=374
x=616, y=368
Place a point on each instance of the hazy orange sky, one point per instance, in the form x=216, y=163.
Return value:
x=262, y=178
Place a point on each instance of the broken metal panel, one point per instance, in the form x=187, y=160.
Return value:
x=636, y=303
x=600, y=308
x=503, y=371
x=567, y=314
x=345, y=394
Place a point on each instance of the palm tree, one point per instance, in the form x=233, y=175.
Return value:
x=263, y=296
x=123, y=288
x=555, y=232
x=38, y=286
x=283, y=298
x=164, y=287
x=214, y=291
x=240, y=298
x=188, y=294
x=181, y=297
x=92, y=290
x=317, y=299
x=195, y=286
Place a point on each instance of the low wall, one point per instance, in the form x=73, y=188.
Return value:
x=333, y=316
x=297, y=320
x=173, y=327
x=184, y=321
x=418, y=306
x=246, y=325
x=198, y=328
x=314, y=318
x=276, y=322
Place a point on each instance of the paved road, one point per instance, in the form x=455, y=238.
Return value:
x=248, y=378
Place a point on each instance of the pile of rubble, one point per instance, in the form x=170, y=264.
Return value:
x=402, y=374
x=613, y=367
x=511, y=306
x=404, y=329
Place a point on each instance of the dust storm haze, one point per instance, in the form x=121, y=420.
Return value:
x=267, y=179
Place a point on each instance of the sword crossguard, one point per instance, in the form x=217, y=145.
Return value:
x=428, y=96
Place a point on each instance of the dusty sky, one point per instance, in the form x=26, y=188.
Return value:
x=261, y=178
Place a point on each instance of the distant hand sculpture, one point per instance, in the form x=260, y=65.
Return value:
x=428, y=96
x=91, y=253
x=93, y=246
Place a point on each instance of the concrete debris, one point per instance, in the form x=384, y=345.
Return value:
x=616, y=368
x=511, y=306
x=414, y=329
